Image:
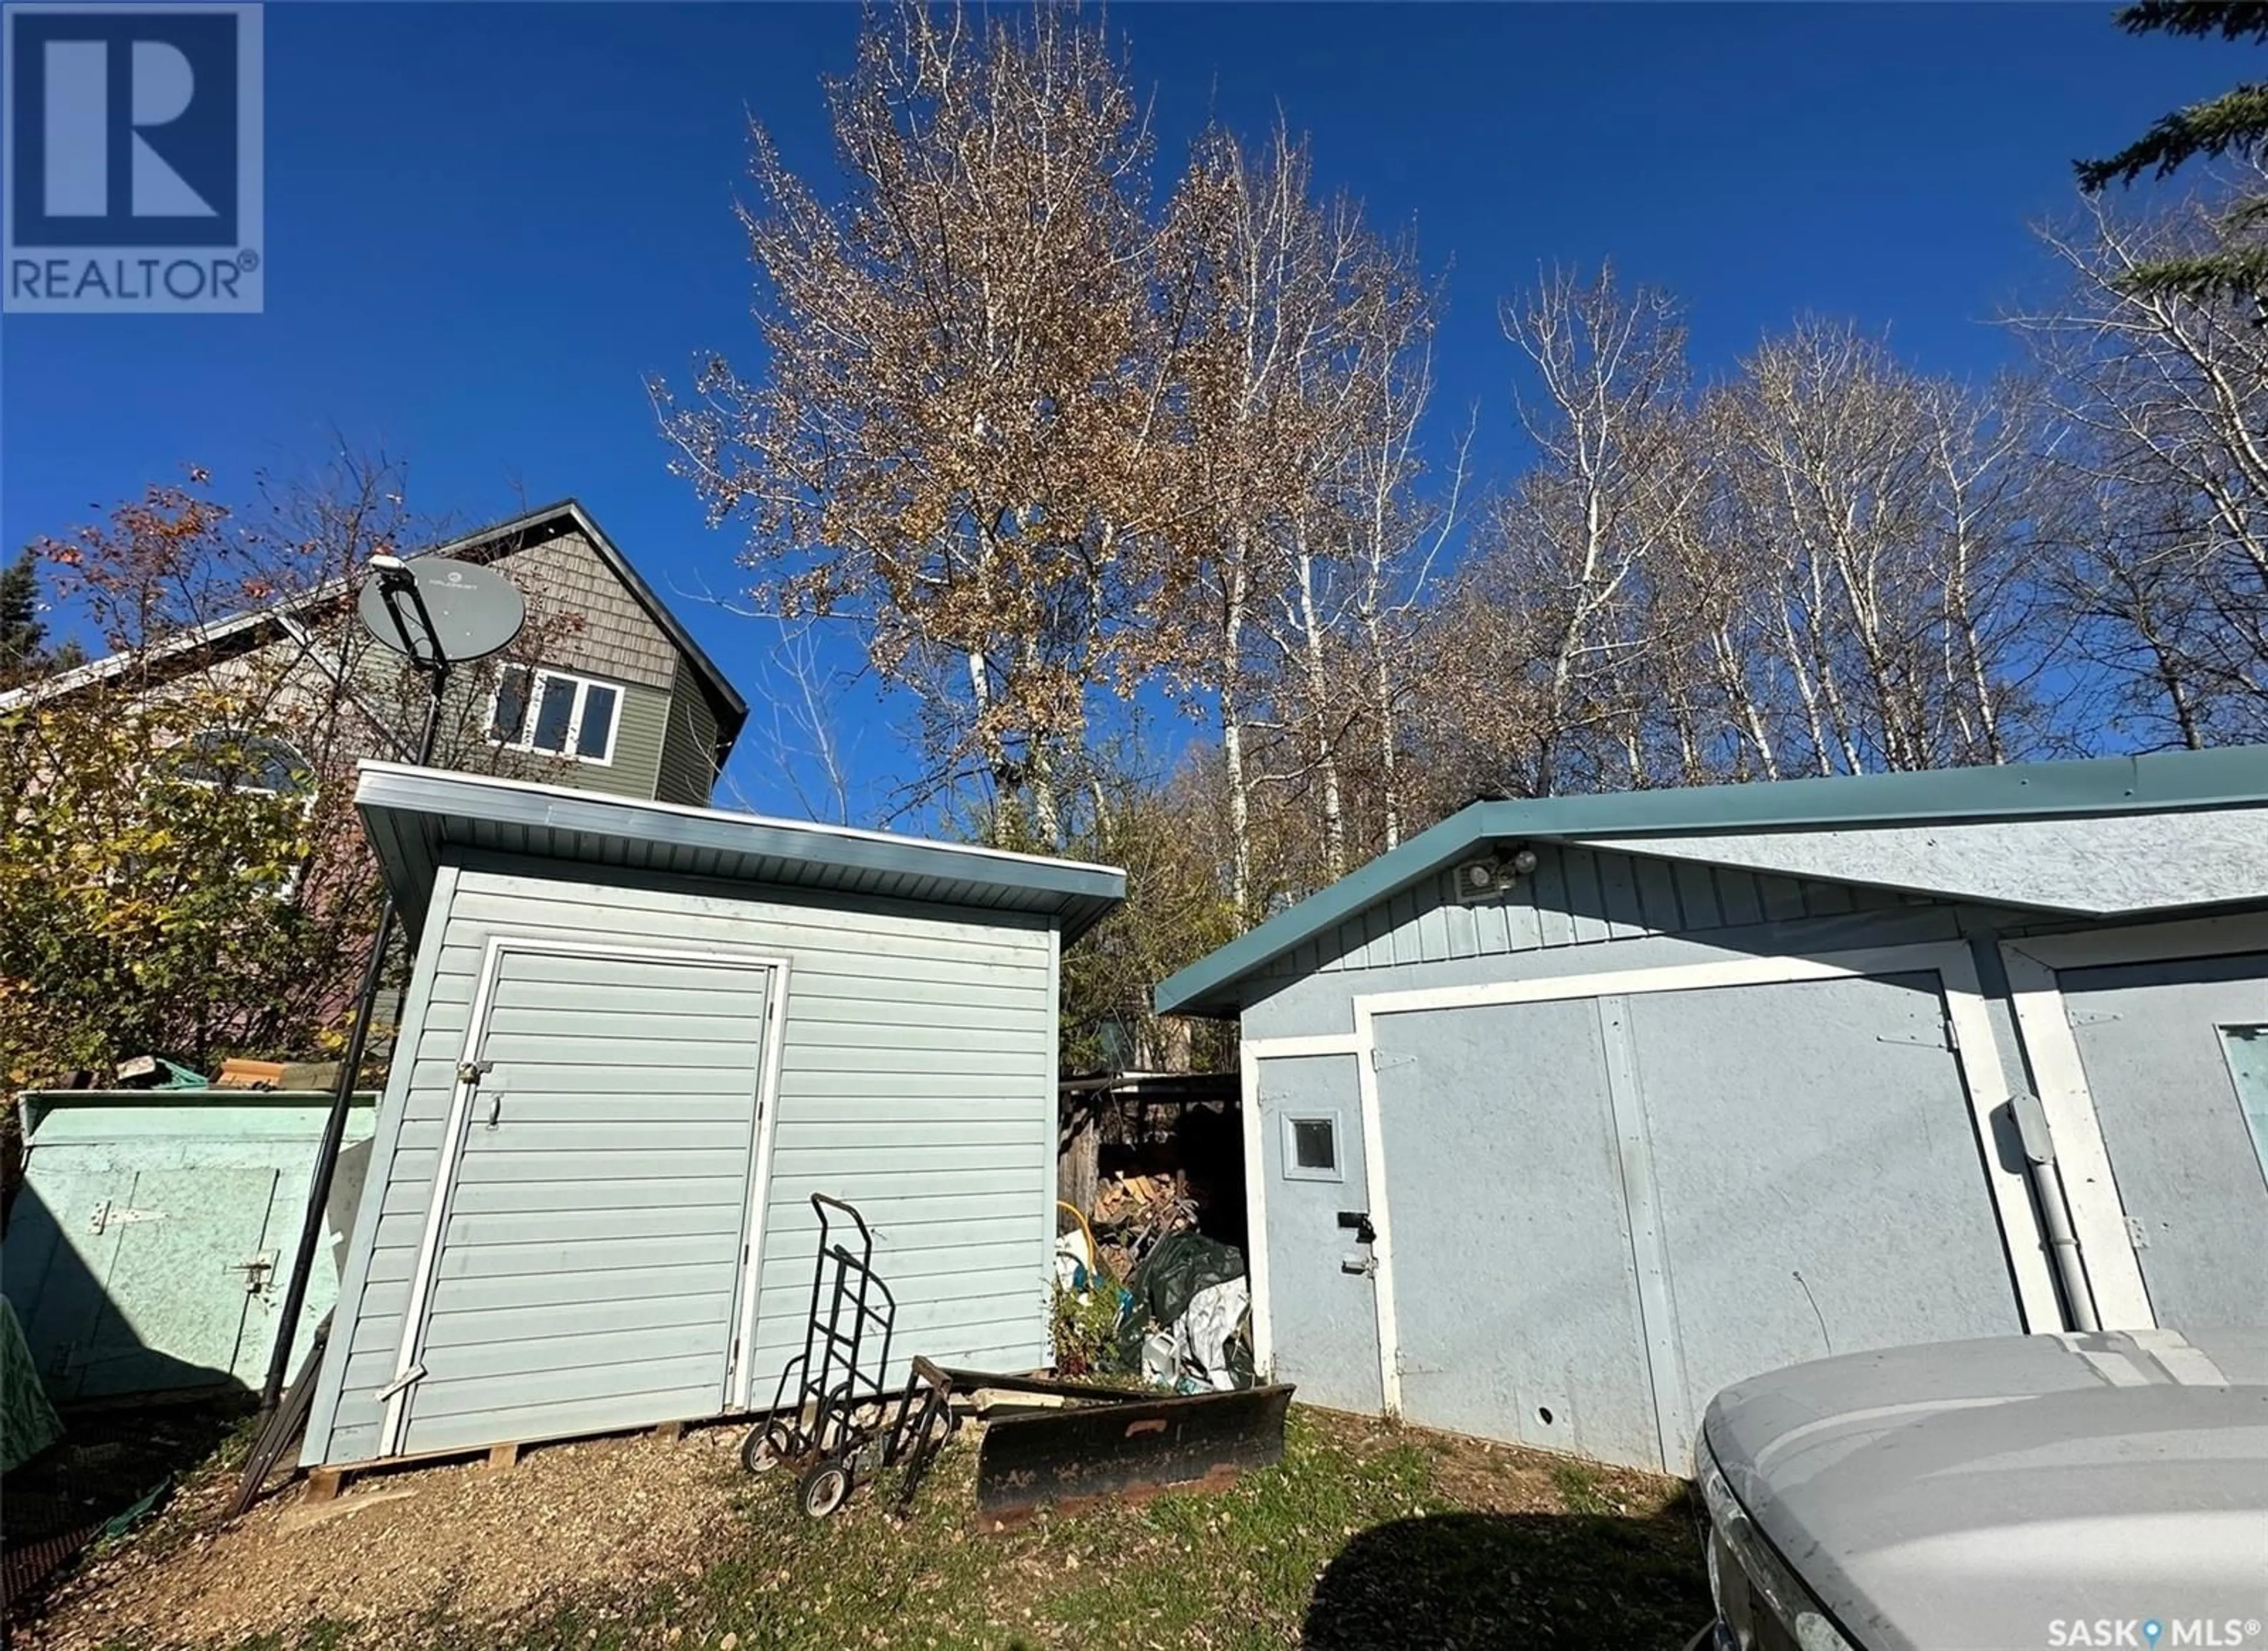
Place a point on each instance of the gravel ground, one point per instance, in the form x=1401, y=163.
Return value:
x=465, y=1542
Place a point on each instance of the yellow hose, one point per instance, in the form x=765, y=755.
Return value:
x=1094, y=1256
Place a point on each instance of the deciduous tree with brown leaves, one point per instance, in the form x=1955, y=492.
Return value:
x=960, y=437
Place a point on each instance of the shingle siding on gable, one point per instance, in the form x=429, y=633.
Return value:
x=688, y=750
x=617, y=638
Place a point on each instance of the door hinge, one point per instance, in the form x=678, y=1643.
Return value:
x=2138, y=1235
x=107, y=1214
x=1946, y=1038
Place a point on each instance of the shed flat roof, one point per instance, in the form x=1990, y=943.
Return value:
x=2162, y=783
x=415, y=815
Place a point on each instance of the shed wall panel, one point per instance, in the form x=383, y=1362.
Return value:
x=1518, y=1306
x=916, y=1080
x=1325, y=1322
x=1322, y=1003
x=2165, y=1048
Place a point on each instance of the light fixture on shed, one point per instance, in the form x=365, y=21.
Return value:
x=1494, y=876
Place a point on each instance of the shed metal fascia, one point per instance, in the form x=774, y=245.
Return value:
x=2162, y=781
x=410, y=813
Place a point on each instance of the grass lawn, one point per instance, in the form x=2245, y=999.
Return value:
x=1366, y=1537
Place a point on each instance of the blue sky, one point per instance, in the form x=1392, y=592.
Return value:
x=487, y=223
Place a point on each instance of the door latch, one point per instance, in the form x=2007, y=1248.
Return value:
x=1358, y=1222
x=255, y=1270
x=473, y=1071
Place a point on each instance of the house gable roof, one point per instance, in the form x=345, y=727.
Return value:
x=536, y=525
x=415, y=816
x=1666, y=821
x=250, y=628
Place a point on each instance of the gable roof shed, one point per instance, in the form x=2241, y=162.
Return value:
x=2095, y=837
x=1716, y=1081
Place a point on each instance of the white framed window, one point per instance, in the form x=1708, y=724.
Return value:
x=263, y=765
x=1312, y=1150
x=231, y=760
x=555, y=712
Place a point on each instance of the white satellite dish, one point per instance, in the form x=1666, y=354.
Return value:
x=464, y=611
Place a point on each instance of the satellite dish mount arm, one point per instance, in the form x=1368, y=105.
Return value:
x=398, y=586
x=398, y=590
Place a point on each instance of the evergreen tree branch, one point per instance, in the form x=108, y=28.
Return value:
x=2232, y=20
x=2239, y=275
x=2238, y=120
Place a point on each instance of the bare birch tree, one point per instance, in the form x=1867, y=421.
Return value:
x=1270, y=395
x=2165, y=395
x=1552, y=607
x=1894, y=518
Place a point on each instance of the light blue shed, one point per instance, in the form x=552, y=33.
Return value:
x=638, y=1037
x=1566, y=1114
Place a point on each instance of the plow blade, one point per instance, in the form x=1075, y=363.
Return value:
x=1132, y=1446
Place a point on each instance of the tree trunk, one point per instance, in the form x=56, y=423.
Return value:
x=1320, y=707
x=1232, y=733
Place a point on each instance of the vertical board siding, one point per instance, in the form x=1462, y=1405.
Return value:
x=916, y=1080
x=1575, y=897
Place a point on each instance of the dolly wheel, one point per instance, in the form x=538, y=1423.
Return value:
x=824, y=1488
x=762, y=1450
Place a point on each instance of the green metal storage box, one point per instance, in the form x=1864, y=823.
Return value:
x=143, y=1247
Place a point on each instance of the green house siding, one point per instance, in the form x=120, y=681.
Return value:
x=642, y=721
x=688, y=750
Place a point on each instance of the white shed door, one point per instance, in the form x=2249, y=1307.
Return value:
x=589, y=1271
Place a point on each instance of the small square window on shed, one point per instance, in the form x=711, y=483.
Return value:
x=1311, y=1147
